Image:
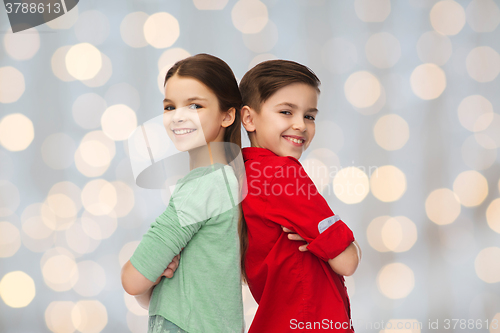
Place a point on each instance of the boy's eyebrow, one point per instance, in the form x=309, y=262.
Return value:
x=293, y=106
x=188, y=100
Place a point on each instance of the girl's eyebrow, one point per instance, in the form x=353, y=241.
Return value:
x=293, y=106
x=166, y=100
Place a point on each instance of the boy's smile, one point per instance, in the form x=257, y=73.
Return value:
x=285, y=124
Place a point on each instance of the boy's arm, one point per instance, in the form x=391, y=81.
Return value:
x=345, y=263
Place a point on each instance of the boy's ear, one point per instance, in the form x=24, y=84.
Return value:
x=229, y=117
x=247, y=118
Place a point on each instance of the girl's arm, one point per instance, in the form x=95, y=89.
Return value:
x=134, y=282
x=345, y=263
x=145, y=298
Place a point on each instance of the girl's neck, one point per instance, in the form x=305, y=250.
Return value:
x=206, y=155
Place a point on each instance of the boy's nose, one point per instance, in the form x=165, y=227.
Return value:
x=299, y=125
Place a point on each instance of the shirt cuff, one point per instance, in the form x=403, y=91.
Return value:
x=332, y=242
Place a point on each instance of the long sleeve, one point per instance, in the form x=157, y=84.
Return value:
x=294, y=202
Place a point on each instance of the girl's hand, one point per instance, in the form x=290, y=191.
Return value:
x=294, y=236
x=171, y=268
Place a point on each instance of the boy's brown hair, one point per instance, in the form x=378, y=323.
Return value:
x=257, y=86
x=267, y=77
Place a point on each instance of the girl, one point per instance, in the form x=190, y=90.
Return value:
x=202, y=117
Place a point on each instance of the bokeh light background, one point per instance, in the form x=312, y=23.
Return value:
x=406, y=150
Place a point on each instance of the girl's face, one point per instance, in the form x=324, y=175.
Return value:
x=191, y=114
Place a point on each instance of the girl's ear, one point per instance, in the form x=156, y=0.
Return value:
x=229, y=117
x=247, y=118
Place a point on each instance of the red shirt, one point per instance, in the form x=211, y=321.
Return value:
x=296, y=291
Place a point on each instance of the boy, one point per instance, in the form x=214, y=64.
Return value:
x=296, y=290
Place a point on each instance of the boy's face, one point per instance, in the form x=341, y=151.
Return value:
x=285, y=124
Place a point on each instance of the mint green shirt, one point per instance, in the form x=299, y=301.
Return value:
x=202, y=216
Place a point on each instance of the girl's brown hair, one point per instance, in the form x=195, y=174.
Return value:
x=219, y=78
x=256, y=86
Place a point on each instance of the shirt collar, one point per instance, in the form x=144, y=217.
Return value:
x=251, y=153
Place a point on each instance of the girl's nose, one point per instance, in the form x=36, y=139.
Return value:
x=179, y=115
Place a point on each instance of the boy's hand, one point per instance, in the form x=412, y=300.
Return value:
x=294, y=236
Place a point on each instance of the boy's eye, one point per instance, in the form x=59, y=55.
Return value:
x=284, y=112
x=311, y=117
x=195, y=106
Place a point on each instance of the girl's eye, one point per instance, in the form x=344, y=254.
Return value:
x=310, y=117
x=195, y=106
x=284, y=112
x=169, y=108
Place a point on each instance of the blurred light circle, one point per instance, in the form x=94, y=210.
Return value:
x=351, y=185
x=483, y=15
x=53, y=221
x=92, y=279
x=95, y=153
x=171, y=56
x=58, y=150
x=133, y=306
x=88, y=109
x=399, y=234
x=391, y=132
x=9, y=198
x=60, y=272
x=317, y=171
x=383, y=50
x=58, y=64
x=131, y=29
x=12, y=85
x=374, y=233
x=38, y=245
x=16, y=132
x=33, y=224
x=249, y=16
x=261, y=58
x=89, y=316
x=17, y=289
x=442, y=206
x=447, y=17
x=118, y=122
x=483, y=64
x=372, y=109
x=210, y=4
x=372, y=10
x=428, y=81
x=99, y=226
x=490, y=137
x=339, y=55
x=395, y=280
x=125, y=199
x=83, y=61
x=79, y=241
x=493, y=215
x=328, y=158
x=65, y=21
x=99, y=197
x=388, y=183
x=471, y=188
x=103, y=75
x=123, y=93
x=62, y=205
x=126, y=252
x=264, y=40
x=10, y=239
x=161, y=30
x=433, y=47
x=475, y=155
x=58, y=317
x=93, y=163
x=92, y=27
x=22, y=45
x=362, y=89
x=475, y=113
x=487, y=265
